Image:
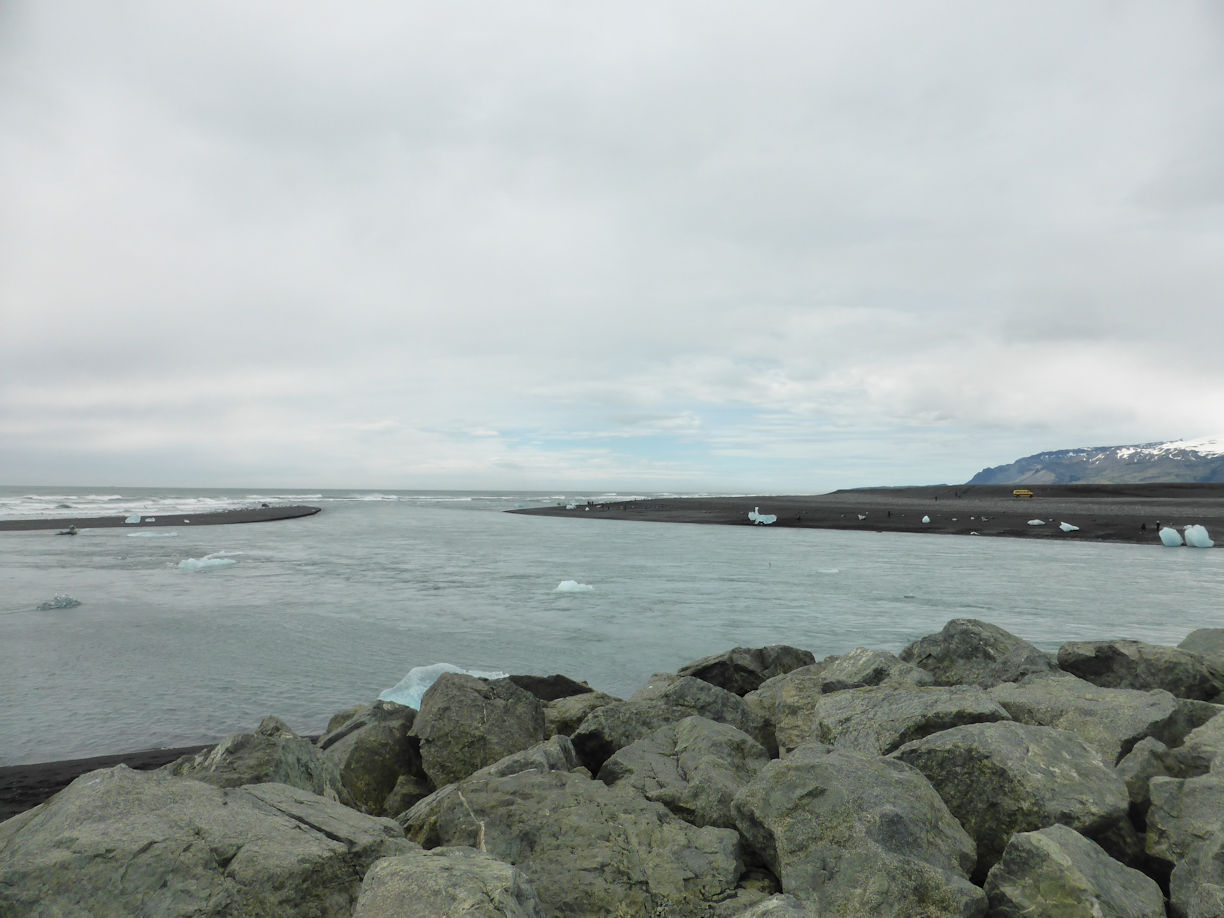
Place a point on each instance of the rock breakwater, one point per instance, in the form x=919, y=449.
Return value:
x=970, y=775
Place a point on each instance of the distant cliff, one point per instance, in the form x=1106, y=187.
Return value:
x=1200, y=460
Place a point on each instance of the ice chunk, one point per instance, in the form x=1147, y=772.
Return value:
x=926, y=519
x=761, y=519
x=1170, y=537
x=1067, y=527
x=1036, y=522
x=207, y=563
x=572, y=586
x=1197, y=537
x=409, y=690
x=61, y=601
x=134, y=518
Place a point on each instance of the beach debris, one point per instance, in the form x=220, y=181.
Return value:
x=761, y=519
x=926, y=519
x=1170, y=537
x=1067, y=527
x=572, y=586
x=1197, y=537
x=1036, y=522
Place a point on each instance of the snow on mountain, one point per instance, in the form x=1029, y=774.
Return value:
x=1200, y=460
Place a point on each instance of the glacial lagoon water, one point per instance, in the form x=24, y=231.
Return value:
x=183, y=635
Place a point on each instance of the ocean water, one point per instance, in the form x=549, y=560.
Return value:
x=115, y=640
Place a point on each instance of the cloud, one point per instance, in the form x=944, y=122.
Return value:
x=395, y=245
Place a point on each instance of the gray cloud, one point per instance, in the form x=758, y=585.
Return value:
x=863, y=244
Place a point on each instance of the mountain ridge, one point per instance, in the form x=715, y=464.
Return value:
x=1197, y=460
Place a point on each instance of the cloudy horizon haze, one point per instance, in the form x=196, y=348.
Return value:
x=781, y=247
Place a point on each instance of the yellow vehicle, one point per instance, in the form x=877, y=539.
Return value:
x=1022, y=492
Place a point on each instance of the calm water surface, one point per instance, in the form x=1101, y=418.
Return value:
x=190, y=634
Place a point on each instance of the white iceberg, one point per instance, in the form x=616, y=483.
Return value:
x=761, y=519
x=409, y=690
x=1170, y=537
x=926, y=519
x=1067, y=527
x=1036, y=522
x=134, y=518
x=572, y=586
x=1197, y=537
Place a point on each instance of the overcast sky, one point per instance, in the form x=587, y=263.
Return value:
x=787, y=246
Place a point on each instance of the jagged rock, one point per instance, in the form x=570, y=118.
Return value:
x=1057, y=871
x=743, y=669
x=1136, y=665
x=273, y=753
x=1111, y=720
x=878, y=719
x=338, y=720
x=1207, y=643
x=466, y=723
x=1004, y=777
x=1196, y=886
x=376, y=753
x=968, y=651
x=124, y=842
x=860, y=667
x=446, y=883
x=554, y=754
x=781, y=906
x=858, y=834
x=588, y=849
x=566, y=714
x=1184, y=813
x=665, y=700
x=1148, y=759
x=550, y=688
x=694, y=767
x=1202, y=747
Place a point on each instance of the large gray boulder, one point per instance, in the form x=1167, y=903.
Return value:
x=120, y=842
x=743, y=669
x=1184, y=813
x=446, y=883
x=1196, y=886
x=788, y=702
x=466, y=723
x=968, y=651
x=1149, y=758
x=1202, y=750
x=1111, y=720
x=694, y=767
x=1004, y=777
x=587, y=849
x=878, y=719
x=858, y=834
x=565, y=715
x=664, y=700
x=273, y=753
x=1136, y=665
x=1207, y=643
x=375, y=753
x=1057, y=871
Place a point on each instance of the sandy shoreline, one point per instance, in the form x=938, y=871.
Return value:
x=211, y=518
x=1103, y=513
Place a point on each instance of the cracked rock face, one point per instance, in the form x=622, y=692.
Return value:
x=124, y=842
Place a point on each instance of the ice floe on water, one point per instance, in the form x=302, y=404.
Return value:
x=207, y=563
x=1171, y=538
x=151, y=535
x=1197, y=537
x=60, y=601
x=572, y=586
x=409, y=690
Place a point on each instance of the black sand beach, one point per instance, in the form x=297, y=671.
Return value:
x=214, y=518
x=1103, y=513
